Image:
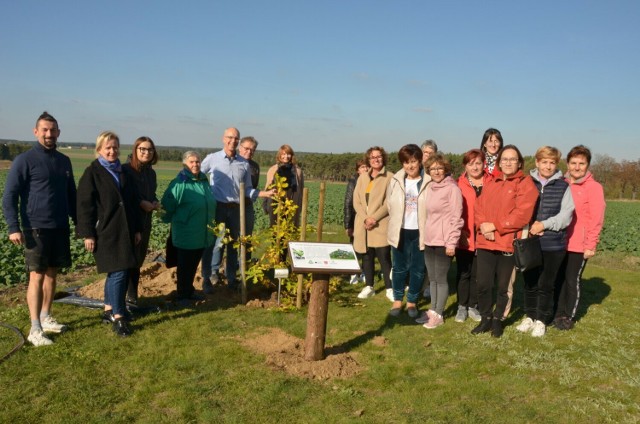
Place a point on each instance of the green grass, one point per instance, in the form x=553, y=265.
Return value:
x=189, y=366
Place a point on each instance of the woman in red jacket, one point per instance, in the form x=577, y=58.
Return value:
x=505, y=206
x=474, y=177
x=583, y=233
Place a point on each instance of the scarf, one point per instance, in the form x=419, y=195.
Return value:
x=114, y=168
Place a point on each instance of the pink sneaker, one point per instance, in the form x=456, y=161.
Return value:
x=436, y=320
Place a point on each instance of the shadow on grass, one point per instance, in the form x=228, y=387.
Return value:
x=593, y=291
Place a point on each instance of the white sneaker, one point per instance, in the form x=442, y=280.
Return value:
x=390, y=294
x=538, y=329
x=427, y=293
x=355, y=279
x=37, y=338
x=525, y=326
x=366, y=292
x=50, y=325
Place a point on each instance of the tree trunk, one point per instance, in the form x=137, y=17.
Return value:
x=317, y=318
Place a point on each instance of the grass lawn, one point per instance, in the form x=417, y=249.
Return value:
x=190, y=366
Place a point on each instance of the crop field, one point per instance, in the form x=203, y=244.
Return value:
x=620, y=234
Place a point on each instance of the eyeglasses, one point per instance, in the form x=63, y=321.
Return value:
x=248, y=149
x=145, y=150
x=375, y=157
x=438, y=169
x=512, y=160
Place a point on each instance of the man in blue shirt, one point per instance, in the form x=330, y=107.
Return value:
x=227, y=170
x=40, y=194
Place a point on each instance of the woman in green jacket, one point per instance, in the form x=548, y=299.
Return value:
x=189, y=207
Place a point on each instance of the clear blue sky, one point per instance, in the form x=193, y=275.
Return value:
x=327, y=76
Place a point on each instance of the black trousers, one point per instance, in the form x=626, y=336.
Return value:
x=467, y=278
x=494, y=268
x=384, y=257
x=188, y=260
x=539, y=285
x=568, y=288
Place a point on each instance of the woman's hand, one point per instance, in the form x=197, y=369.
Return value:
x=537, y=228
x=450, y=251
x=137, y=238
x=369, y=223
x=588, y=253
x=90, y=244
x=487, y=229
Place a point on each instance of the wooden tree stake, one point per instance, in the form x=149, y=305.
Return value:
x=317, y=318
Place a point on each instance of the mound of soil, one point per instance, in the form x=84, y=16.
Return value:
x=285, y=352
x=158, y=281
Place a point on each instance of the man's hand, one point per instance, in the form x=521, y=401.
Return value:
x=16, y=238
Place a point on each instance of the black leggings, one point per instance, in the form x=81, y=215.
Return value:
x=188, y=260
x=568, y=291
x=466, y=278
x=539, y=284
x=384, y=257
x=494, y=267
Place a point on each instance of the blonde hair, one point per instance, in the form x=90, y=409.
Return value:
x=103, y=138
x=548, y=152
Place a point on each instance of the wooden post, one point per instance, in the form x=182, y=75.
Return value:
x=323, y=187
x=243, y=248
x=303, y=237
x=317, y=318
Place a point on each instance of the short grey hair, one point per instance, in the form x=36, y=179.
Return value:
x=188, y=154
x=250, y=140
x=430, y=143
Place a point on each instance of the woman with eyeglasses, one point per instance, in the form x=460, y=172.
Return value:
x=505, y=206
x=442, y=228
x=490, y=145
x=139, y=169
x=372, y=219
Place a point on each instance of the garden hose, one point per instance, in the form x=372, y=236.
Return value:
x=16, y=347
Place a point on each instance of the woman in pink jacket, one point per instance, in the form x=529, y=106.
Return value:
x=583, y=233
x=505, y=206
x=441, y=233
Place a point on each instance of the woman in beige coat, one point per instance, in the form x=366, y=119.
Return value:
x=372, y=218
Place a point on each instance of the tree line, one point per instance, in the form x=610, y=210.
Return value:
x=620, y=180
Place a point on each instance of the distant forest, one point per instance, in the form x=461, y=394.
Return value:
x=621, y=180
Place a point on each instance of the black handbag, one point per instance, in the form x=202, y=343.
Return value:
x=527, y=253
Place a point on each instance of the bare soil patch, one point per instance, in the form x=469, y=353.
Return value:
x=285, y=352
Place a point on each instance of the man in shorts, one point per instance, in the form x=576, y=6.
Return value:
x=40, y=195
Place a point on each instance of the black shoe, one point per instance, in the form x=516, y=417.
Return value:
x=108, y=318
x=121, y=328
x=483, y=327
x=497, y=328
x=132, y=300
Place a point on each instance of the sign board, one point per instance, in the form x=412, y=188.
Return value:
x=326, y=258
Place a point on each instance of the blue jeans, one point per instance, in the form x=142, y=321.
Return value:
x=230, y=216
x=115, y=291
x=407, y=259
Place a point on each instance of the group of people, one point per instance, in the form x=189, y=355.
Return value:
x=417, y=220
x=112, y=209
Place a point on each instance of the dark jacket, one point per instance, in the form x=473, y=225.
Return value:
x=554, y=209
x=108, y=214
x=146, y=185
x=41, y=183
x=349, y=211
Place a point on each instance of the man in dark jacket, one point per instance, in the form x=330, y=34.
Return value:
x=40, y=195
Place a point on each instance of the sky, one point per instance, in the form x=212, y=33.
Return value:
x=327, y=76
